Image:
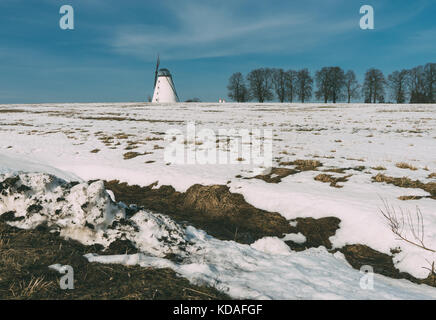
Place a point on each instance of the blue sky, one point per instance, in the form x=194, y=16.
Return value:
x=110, y=56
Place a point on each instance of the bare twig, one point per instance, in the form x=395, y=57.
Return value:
x=199, y=292
x=405, y=222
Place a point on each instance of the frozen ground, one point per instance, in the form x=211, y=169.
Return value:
x=88, y=141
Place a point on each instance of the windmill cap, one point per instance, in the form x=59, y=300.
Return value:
x=164, y=72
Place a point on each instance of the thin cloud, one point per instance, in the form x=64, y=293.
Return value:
x=203, y=31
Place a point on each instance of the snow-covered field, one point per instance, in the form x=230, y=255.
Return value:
x=84, y=142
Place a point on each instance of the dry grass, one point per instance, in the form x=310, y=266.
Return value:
x=405, y=182
x=153, y=139
x=432, y=175
x=221, y=213
x=342, y=170
x=24, y=274
x=327, y=178
x=12, y=110
x=379, y=168
x=27, y=289
x=131, y=155
x=122, y=136
x=276, y=175
x=404, y=198
x=303, y=165
x=404, y=165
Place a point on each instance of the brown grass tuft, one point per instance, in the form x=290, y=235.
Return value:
x=303, y=165
x=327, y=178
x=405, y=182
x=131, y=155
x=404, y=165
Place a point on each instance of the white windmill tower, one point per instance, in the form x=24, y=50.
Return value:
x=164, y=89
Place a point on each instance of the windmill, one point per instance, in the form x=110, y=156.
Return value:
x=164, y=89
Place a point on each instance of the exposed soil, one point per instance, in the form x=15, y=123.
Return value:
x=26, y=254
x=24, y=274
x=343, y=170
x=359, y=255
x=404, y=165
x=316, y=231
x=405, y=182
x=222, y=214
x=131, y=155
x=277, y=174
x=328, y=178
x=303, y=165
x=411, y=197
x=227, y=216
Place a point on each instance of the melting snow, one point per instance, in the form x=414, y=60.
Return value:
x=57, y=140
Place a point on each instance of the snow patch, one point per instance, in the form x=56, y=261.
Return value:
x=271, y=245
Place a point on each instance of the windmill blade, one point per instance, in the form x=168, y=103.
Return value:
x=156, y=72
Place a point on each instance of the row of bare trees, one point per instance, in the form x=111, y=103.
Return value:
x=265, y=84
x=416, y=85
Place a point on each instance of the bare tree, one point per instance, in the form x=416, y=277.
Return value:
x=351, y=86
x=430, y=81
x=304, y=85
x=322, y=78
x=374, y=86
x=417, y=85
x=397, y=82
x=337, y=83
x=291, y=84
x=279, y=80
x=260, y=84
x=330, y=82
x=237, y=88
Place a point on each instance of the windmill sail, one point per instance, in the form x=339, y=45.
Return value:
x=156, y=72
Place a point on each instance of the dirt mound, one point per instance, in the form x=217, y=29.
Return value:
x=316, y=231
x=222, y=214
x=26, y=254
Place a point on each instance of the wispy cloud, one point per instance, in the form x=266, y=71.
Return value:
x=200, y=30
